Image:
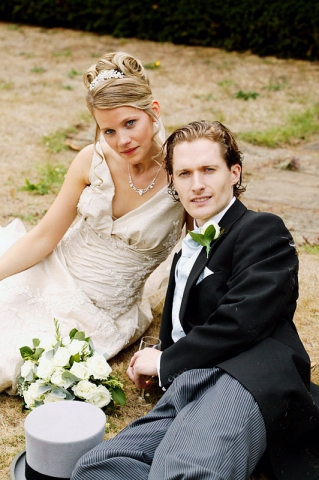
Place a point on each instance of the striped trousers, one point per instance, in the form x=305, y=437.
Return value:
x=206, y=426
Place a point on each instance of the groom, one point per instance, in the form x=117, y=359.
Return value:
x=236, y=375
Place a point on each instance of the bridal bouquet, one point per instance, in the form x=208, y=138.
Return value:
x=67, y=368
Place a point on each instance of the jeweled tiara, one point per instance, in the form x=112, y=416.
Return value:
x=105, y=75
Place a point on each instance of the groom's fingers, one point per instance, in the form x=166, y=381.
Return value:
x=143, y=365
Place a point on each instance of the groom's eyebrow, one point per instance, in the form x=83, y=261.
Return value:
x=200, y=167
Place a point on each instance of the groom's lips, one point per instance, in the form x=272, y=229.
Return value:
x=200, y=199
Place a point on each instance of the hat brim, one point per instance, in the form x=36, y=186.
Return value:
x=17, y=468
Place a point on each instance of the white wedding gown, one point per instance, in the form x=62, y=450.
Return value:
x=94, y=279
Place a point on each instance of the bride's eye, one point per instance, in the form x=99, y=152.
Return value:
x=109, y=131
x=130, y=123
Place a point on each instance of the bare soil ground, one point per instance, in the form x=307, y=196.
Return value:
x=42, y=96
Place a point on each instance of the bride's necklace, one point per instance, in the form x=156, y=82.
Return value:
x=141, y=191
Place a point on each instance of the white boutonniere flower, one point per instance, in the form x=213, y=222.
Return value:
x=209, y=232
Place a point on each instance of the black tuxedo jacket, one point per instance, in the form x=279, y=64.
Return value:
x=240, y=318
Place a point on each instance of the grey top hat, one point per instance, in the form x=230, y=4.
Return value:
x=57, y=435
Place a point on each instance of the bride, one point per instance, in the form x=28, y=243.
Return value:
x=91, y=274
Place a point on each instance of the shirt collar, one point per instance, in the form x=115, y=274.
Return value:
x=217, y=218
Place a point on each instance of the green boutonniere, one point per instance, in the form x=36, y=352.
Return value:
x=208, y=232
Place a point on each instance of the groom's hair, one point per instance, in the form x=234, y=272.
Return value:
x=214, y=131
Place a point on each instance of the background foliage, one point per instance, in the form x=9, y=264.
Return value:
x=284, y=28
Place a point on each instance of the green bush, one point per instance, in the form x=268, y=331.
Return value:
x=284, y=28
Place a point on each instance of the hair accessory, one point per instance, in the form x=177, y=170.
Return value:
x=141, y=191
x=105, y=75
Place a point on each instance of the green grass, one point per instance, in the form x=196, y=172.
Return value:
x=206, y=97
x=6, y=85
x=275, y=86
x=37, y=70
x=55, y=142
x=298, y=126
x=27, y=55
x=225, y=83
x=13, y=27
x=63, y=53
x=313, y=249
x=246, y=95
x=73, y=73
x=51, y=178
x=32, y=219
x=153, y=65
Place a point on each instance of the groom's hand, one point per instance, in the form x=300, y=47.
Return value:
x=143, y=365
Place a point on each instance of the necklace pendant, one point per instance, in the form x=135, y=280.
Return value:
x=141, y=191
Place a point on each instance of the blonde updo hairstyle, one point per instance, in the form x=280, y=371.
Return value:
x=133, y=90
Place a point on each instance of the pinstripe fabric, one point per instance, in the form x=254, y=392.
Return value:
x=206, y=426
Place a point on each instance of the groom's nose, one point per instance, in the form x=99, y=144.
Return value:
x=198, y=183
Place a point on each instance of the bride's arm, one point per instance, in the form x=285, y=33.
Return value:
x=42, y=239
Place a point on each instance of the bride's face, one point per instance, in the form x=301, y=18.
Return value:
x=128, y=131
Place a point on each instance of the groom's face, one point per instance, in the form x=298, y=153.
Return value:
x=202, y=178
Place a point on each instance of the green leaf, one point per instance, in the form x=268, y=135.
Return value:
x=29, y=377
x=73, y=332
x=67, y=375
x=58, y=392
x=69, y=395
x=199, y=238
x=43, y=389
x=110, y=407
x=79, y=336
x=38, y=352
x=210, y=232
x=36, y=342
x=26, y=353
x=118, y=396
x=49, y=354
x=75, y=358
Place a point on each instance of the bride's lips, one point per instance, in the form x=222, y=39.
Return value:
x=129, y=151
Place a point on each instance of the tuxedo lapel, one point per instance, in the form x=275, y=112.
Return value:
x=230, y=217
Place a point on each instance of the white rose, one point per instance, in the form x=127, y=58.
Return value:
x=50, y=398
x=98, y=366
x=27, y=368
x=100, y=397
x=84, y=389
x=31, y=395
x=66, y=341
x=61, y=357
x=57, y=379
x=45, y=368
x=207, y=224
x=80, y=370
x=76, y=346
x=48, y=342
